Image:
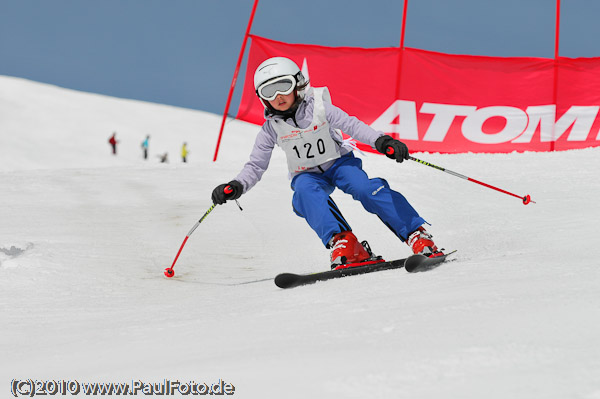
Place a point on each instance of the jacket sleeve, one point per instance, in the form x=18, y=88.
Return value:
x=259, y=158
x=351, y=125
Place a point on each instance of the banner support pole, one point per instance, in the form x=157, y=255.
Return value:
x=555, y=88
x=400, y=56
x=403, y=32
x=234, y=80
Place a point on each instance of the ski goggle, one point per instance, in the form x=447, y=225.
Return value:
x=283, y=85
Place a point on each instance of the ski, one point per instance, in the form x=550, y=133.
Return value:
x=421, y=263
x=291, y=280
x=412, y=264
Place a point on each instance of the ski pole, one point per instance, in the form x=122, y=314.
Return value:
x=526, y=199
x=169, y=272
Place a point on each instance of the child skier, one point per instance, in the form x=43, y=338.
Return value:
x=305, y=124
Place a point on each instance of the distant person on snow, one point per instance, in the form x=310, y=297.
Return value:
x=145, y=146
x=113, y=142
x=184, y=152
x=304, y=123
x=164, y=158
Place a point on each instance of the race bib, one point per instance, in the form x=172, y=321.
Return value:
x=312, y=146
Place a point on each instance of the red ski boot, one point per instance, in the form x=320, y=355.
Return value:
x=346, y=250
x=421, y=243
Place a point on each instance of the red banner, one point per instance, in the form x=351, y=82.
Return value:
x=449, y=103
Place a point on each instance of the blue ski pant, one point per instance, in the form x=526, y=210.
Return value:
x=312, y=200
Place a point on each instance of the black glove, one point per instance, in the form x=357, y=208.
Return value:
x=228, y=191
x=392, y=148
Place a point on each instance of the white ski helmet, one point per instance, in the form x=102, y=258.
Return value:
x=278, y=67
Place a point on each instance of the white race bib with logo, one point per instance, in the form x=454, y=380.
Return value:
x=310, y=147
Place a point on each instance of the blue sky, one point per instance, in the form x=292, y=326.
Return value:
x=183, y=52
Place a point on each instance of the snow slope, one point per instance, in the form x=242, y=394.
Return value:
x=85, y=237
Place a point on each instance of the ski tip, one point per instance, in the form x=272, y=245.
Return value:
x=286, y=280
x=413, y=262
x=417, y=263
